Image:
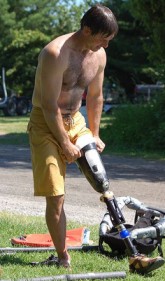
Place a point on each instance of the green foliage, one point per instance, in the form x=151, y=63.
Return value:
x=159, y=132
x=138, y=127
x=126, y=57
x=151, y=15
x=26, y=27
x=129, y=60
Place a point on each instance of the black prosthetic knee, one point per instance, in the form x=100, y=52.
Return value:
x=118, y=221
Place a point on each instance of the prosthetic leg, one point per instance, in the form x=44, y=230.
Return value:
x=90, y=164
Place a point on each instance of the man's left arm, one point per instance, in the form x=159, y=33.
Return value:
x=94, y=103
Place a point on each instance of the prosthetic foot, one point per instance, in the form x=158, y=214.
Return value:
x=143, y=265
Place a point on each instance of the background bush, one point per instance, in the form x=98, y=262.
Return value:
x=139, y=127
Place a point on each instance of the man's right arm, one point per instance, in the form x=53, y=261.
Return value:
x=52, y=69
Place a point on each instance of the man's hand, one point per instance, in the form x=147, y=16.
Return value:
x=71, y=152
x=99, y=144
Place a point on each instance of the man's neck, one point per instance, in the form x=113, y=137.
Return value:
x=79, y=42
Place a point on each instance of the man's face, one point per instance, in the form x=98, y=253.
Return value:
x=98, y=41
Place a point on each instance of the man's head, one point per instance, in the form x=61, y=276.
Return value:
x=100, y=19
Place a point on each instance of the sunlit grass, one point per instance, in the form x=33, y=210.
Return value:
x=16, y=266
x=13, y=130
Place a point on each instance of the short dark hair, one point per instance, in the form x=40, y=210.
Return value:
x=100, y=19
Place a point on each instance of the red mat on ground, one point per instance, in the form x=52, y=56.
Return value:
x=74, y=238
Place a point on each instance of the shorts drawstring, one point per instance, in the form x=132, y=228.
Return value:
x=68, y=120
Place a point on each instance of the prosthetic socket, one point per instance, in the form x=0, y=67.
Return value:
x=90, y=164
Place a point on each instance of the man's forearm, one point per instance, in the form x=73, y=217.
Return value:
x=55, y=124
x=94, y=111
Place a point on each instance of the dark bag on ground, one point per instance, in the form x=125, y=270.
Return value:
x=144, y=245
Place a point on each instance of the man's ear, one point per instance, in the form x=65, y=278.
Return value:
x=86, y=31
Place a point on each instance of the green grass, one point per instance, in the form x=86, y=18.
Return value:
x=15, y=266
x=13, y=130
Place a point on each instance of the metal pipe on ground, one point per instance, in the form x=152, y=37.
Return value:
x=45, y=249
x=80, y=276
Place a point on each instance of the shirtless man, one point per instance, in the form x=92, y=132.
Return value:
x=66, y=66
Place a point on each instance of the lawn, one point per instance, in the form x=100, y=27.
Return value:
x=15, y=266
x=13, y=130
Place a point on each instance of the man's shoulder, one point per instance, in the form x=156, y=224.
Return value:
x=59, y=42
x=101, y=56
x=56, y=47
x=101, y=52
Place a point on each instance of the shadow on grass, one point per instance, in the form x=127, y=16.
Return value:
x=14, y=139
x=7, y=120
x=11, y=259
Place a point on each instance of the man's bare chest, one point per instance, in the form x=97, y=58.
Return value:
x=80, y=71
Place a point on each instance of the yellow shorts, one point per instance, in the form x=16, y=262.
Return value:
x=49, y=167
